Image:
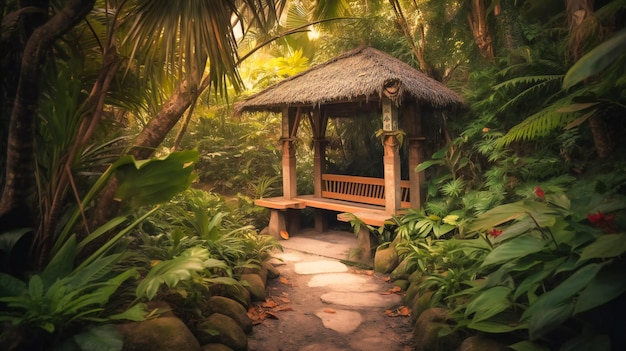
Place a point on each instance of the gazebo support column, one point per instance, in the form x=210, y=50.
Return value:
x=391, y=162
x=289, y=129
x=391, y=158
x=282, y=218
x=319, y=122
x=417, y=180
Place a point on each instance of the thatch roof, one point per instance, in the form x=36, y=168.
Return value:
x=362, y=73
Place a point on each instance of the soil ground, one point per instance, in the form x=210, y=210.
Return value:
x=319, y=303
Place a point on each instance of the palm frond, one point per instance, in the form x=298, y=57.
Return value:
x=538, y=125
x=540, y=84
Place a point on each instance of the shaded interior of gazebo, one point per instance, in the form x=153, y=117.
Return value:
x=391, y=90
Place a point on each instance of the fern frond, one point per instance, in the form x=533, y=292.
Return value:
x=528, y=80
x=539, y=124
x=526, y=95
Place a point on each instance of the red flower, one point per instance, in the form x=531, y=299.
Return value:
x=539, y=192
x=495, y=232
x=603, y=221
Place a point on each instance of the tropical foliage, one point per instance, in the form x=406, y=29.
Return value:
x=522, y=233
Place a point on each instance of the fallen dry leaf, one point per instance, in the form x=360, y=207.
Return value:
x=284, y=280
x=402, y=311
x=269, y=304
x=271, y=315
x=329, y=310
x=283, y=308
x=285, y=300
x=284, y=234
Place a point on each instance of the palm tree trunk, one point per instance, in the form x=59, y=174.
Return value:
x=20, y=160
x=577, y=12
x=144, y=146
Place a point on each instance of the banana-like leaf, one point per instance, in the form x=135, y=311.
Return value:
x=172, y=271
x=596, y=60
x=154, y=181
x=514, y=249
x=61, y=264
x=489, y=303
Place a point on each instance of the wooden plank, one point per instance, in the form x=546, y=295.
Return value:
x=279, y=203
x=337, y=205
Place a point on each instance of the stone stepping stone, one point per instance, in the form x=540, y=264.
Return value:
x=285, y=257
x=316, y=267
x=345, y=282
x=366, y=299
x=341, y=321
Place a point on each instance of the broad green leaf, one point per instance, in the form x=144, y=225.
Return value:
x=497, y=216
x=606, y=286
x=527, y=345
x=154, y=181
x=605, y=246
x=488, y=303
x=136, y=313
x=533, y=279
x=495, y=327
x=11, y=286
x=10, y=238
x=108, y=226
x=172, y=271
x=596, y=60
x=544, y=320
x=426, y=164
x=61, y=264
x=514, y=249
x=35, y=287
x=564, y=291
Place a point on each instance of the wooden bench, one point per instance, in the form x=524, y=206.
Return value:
x=365, y=190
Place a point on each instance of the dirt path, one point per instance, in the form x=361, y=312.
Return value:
x=319, y=303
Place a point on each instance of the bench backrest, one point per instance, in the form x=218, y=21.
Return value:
x=360, y=189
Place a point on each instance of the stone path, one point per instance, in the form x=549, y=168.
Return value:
x=327, y=305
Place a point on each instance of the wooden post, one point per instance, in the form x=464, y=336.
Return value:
x=391, y=159
x=289, y=129
x=319, y=122
x=417, y=180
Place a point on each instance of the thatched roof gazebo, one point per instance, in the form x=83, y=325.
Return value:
x=358, y=81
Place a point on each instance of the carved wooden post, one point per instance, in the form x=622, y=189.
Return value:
x=319, y=121
x=391, y=158
x=289, y=128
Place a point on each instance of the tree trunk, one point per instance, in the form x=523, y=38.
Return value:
x=20, y=160
x=577, y=12
x=144, y=146
x=480, y=29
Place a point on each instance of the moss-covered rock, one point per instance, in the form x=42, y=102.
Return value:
x=421, y=302
x=232, y=309
x=159, y=334
x=236, y=292
x=400, y=272
x=385, y=259
x=410, y=294
x=481, y=343
x=255, y=284
x=402, y=284
x=272, y=272
x=427, y=328
x=219, y=328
